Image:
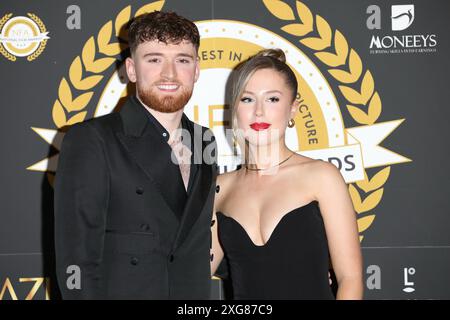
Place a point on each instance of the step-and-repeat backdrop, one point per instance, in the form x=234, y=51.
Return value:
x=373, y=87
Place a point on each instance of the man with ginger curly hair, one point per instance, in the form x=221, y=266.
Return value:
x=134, y=190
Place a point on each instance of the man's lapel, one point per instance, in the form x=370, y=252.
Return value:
x=152, y=154
x=200, y=188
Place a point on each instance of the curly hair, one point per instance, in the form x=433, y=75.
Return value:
x=167, y=27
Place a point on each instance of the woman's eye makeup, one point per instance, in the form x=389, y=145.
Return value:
x=246, y=99
x=274, y=99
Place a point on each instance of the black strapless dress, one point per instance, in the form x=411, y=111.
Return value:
x=293, y=264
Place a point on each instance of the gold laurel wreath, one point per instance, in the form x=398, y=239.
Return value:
x=350, y=71
x=42, y=45
x=7, y=55
x=68, y=110
x=43, y=29
x=65, y=103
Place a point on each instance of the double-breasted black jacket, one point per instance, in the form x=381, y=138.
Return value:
x=123, y=216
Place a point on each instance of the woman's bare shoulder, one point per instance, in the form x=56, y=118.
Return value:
x=226, y=177
x=317, y=172
x=304, y=164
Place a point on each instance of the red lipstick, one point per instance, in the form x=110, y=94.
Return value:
x=257, y=126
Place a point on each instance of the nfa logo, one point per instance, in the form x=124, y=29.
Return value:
x=22, y=36
x=320, y=131
x=402, y=16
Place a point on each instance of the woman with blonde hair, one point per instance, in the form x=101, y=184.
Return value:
x=281, y=217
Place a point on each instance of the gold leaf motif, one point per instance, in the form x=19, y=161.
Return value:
x=327, y=57
x=364, y=184
x=5, y=18
x=367, y=87
x=75, y=71
x=359, y=115
x=356, y=198
x=351, y=95
x=80, y=102
x=121, y=20
x=101, y=65
x=374, y=108
x=64, y=93
x=79, y=117
x=7, y=55
x=334, y=60
x=380, y=178
x=154, y=6
x=324, y=30
x=43, y=43
x=377, y=181
x=296, y=29
x=365, y=222
x=342, y=75
x=341, y=47
x=88, y=82
x=355, y=64
x=58, y=114
x=322, y=42
x=279, y=9
x=312, y=43
x=353, y=75
x=368, y=204
x=338, y=59
x=371, y=201
x=75, y=74
x=88, y=54
x=305, y=15
x=103, y=39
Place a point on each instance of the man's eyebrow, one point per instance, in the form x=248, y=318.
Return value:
x=187, y=55
x=153, y=54
x=159, y=54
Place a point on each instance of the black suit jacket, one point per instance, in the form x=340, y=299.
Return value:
x=122, y=227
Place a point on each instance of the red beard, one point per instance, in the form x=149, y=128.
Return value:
x=165, y=104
